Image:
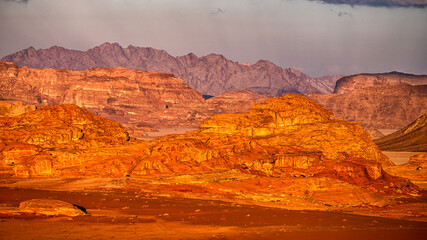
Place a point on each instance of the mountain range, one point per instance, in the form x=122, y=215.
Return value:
x=210, y=75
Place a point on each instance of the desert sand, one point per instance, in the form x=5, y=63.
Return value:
x=117, y=212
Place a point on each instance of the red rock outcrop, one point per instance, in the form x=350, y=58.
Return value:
x=58, y=126
x=412, y=138
x=291, y=140
x=129, y=96
x=359, y=81
x=379, y=107
x=41, y=142
x=289, y=137
x=212, y=74
x=51, y=207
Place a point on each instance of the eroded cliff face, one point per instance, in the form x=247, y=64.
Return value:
x=359, y=81
x=289, y=141
x=379, y=107
x=129, y=96
x=137, y=99
x=212, y=74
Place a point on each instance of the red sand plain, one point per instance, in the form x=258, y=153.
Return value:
x=121, y=214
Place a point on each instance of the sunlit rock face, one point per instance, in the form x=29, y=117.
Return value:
x=51, y=207
x=10, y=108
x=297, y=121
x=359, y=81
x=289, y=138
x=39, y=143
x=57, y=125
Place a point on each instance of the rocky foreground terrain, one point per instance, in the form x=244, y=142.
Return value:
x=211, y=75
x=275, y=171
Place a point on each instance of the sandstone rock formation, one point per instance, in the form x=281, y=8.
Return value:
x=412, y=138
x=211, y=75
x=139, y=100
x=51, y=207
x=380, y=107
x=358, y=81
x=59, y=125
x=10, y=108
x=131, y=97
x=35, y=143
x=290, y=141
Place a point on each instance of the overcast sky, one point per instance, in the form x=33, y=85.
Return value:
x=315, y=37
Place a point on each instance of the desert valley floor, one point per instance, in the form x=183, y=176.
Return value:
x=117, y=209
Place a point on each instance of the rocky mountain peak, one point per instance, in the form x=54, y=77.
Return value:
x=211, y=75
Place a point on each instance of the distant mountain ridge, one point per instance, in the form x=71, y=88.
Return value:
x=211, y=75
x=412, y=138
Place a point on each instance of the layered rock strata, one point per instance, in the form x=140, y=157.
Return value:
x=129, y=96
x=235, y=101
x=378, y=107
x=139, y=100
x=359, y=81
x=211, y=75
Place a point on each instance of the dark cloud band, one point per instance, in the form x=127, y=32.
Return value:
x=380, y=3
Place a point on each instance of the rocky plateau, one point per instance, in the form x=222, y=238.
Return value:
x=364, y=80
x=378, y=107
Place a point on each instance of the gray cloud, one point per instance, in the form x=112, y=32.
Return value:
x=16, y=1
x=380, y=3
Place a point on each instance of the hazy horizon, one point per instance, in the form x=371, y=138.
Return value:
x=316, y=38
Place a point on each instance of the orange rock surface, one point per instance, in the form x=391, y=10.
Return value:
x=51, y=207
x=415, y=170
x=10, y=108
x=289, y=141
